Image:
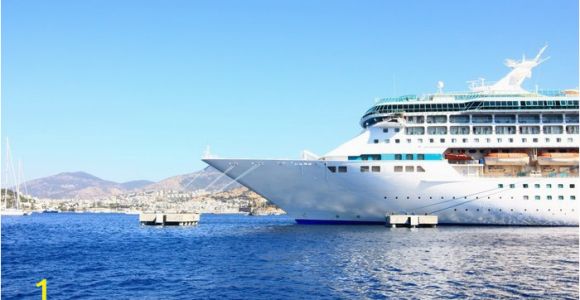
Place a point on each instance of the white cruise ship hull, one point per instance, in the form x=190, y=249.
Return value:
x=310, y=193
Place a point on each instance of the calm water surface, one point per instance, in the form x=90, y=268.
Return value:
x=109, y=256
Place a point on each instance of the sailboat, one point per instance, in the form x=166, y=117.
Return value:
x=15, y=210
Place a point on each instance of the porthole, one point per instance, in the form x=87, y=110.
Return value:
x=466, y=209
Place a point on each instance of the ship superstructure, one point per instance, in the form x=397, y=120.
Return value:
x=497, y=154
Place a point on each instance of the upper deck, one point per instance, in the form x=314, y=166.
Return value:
x=555, y=101
x=505, y=95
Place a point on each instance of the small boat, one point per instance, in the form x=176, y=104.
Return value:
x=457, y=156
x=51, y=211
x=558, y=159
x=13, y=212
x=507, y=159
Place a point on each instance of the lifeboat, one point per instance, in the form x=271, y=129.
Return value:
x=507, y=159
x=558, y=159
x=458, y=156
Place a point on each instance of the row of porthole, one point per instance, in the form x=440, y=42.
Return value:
x=475, y=140
x=536, y=185
x=549, y=197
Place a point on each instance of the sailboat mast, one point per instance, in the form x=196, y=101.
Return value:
x=18, y=185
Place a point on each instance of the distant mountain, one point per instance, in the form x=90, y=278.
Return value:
x=72, y=185
x=81, y=185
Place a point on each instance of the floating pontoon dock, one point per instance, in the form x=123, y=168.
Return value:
x=411, y=221
x=169, y=219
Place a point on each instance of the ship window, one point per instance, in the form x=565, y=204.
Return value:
x=420, y=156
x=526, y=119
x=537, y=197
x=397, y=141
x=437, y=130
x=409, y=157
x=420, y=169
x=500, y=185
x=572, y=186
x=526, y=197
x=548, y=186
x=332, y=169
x=415, y=130
x=364, y=169
x=535, y=140
x=419, y=140
x=549, y=197
x=453, y=140
x=481, y=119
x=342, y=169
x=476, y=140
x=431, y=140
x=570, y=140
x=572, y=197
x=553, y=129
x=398, y=169
x=409, y=141
x=552, y=118
x=436, y=119
x=375, y=141
x=409, y=169
x=505, y=119
x=525, y=185
x=537, y=185
x=558, y=140
x=397, y=129
x=547, y=140
x=442, y=140
x=524, y=140
x=560, y=186
x=462, y=119
x=512, y=186
x=464, y=140
x=560, y=197
x=572, y=129
x=571, y=118
x=505, y=130
x=387, y=141
x=376, y=169
x=385, y=129
x=459, y=130
x=415, y=119
x=398, y=156
x=511, y=140
x=529, y=129
x=482, y=130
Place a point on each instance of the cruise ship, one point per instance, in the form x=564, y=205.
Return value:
x=494, y=155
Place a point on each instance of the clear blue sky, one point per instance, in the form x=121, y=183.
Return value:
x=136, y=89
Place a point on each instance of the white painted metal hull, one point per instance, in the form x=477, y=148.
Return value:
x=309, y=192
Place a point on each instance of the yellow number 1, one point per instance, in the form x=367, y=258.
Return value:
x=42, y=284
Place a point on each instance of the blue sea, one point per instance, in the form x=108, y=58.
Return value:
x=110, y=256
